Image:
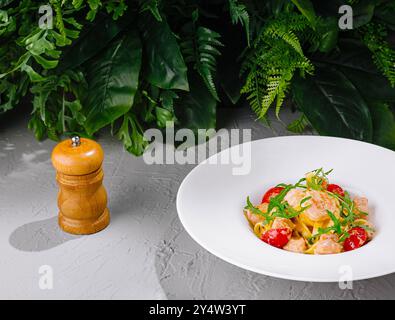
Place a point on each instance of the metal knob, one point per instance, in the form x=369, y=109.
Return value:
x=75, y=141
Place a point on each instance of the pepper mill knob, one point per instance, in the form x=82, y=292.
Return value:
x=75, y=141
x=82, y=199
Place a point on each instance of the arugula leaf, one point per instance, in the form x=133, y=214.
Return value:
x=304, y=200
x=256, y=211
x=336, y=223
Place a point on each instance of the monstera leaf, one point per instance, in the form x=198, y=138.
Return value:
x=113, y=81
x=166, y=67
x=333, y=105
x=354, y=60
x=352, y=101
x=383, y=124
x=95, y=37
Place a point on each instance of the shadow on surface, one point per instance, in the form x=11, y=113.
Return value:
x=39, y=236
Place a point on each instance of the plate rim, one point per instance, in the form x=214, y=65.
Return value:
x=258, y=270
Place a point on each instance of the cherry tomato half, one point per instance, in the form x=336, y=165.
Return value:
x=272, y=192
x=357, y=239
x=334, y=188
x=277, y=237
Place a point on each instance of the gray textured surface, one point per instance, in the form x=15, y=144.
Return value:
x=145, y=253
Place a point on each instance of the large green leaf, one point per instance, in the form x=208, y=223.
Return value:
x=307, y=9
x=196, y=109
x=363, y=13
x=166, y=67
x=333, y=105
x=95, y=37
x=113, y=79
x=355, y=61
x=383, y=124
x=329, y=30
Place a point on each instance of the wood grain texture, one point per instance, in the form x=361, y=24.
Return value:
x=82, y=199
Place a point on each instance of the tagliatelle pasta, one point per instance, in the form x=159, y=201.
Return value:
x=311, y=216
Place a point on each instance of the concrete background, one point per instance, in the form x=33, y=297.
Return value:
x=145, y=253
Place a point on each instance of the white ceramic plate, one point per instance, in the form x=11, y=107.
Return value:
x=211, y=199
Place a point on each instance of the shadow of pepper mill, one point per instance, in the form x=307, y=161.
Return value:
x=82, y=199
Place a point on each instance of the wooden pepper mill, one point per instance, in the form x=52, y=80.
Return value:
x=82, y=199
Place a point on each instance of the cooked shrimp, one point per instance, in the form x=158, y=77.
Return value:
x=294, y=197
x=318, y=203
x=255, y=218
x=362, y=204
x=327, y=244
x=296, y=245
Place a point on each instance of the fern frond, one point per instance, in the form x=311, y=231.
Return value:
x=201, y=49
x=282, y=92
x=254, y=90
x=59, y=17
x=239, y=14
x=271, y=63
x=277, y=30
x=298, y=125
x=272, y=89
x=374, y=37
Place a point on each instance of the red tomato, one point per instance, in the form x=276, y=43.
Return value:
x=357, y=238
x=272, y=192
x=334, y=188
x=277, y=237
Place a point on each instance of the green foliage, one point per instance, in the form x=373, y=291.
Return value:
x=274, y=58
x=374, y=37
x=307, y=9
x=200, y=49
x=131, y=134
x=94, y=38
x=139, y=64
x=104, y=63
x=166, y=67
x=383, y=124
x=298, y=125
x=153, y=7
x=116, y=7
x=239, y=14
x=57, y=105
x=113, y=79
x=333, y=105
x=196, y=110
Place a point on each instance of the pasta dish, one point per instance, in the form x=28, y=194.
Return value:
x=311, y=216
